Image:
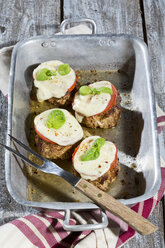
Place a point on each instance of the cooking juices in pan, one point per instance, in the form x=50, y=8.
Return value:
x=127, y=137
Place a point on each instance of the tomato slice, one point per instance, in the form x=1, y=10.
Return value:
x=112, y=100
x=43, y=137
x=73, y=85
x=75, y=150
x=113, y=164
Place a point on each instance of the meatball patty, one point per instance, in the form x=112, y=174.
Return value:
x=107, y=119
x=52, y=150
x=105, y=180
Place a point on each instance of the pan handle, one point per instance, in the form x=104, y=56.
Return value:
x=67, y=22
x=84, y=227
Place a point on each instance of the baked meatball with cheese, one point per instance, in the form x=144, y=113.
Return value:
x=95, y=160
x=97, y=105
x=55, y=82
x=57, y=132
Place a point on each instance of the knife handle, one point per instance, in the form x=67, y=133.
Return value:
x=107, y=202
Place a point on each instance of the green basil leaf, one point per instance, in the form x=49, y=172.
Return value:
x=51, y=73
x=95, y=91
x=99, y=142
x=85, y=90
x=56, y=119
x=91, y=154
x=45, y=74
x=94, y=152
x=105, y=90
x=64, y=69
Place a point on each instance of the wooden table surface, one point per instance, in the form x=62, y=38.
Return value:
x=21, y=19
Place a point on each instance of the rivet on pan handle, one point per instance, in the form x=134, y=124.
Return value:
x=85, y=227
x=66, y=22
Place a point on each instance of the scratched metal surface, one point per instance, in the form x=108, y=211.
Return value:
x=137, y=119
x=43, y=187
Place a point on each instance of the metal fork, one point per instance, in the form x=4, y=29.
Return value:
x=102, y=199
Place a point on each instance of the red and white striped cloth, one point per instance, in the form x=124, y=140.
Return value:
x=44, y=230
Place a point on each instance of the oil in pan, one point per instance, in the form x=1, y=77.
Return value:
x=127, y=136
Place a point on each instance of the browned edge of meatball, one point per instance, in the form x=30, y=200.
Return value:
x=105, y=180
x=66, y=99
x=107, y=119
x=52, y=150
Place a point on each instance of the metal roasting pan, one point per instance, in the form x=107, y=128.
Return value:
x=122, y=58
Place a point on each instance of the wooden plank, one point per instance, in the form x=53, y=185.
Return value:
x=120, y=17
x=113, y=16
x=21, y=19
x=154, y=12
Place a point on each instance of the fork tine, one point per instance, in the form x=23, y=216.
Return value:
x=27, y=148
x=21, y=156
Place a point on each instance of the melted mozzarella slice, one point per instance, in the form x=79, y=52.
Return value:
x=68, y=134
x=90, y=105
x=93, y=169
x=57, y=86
